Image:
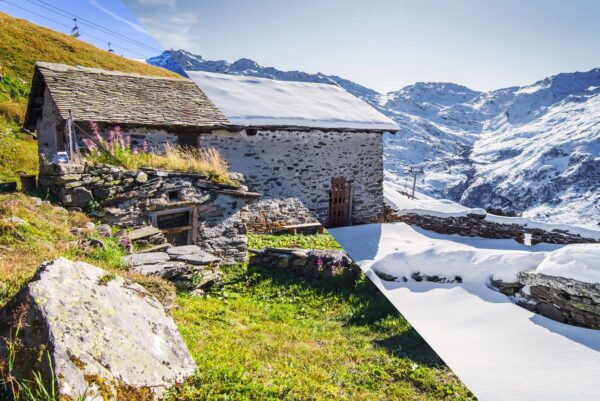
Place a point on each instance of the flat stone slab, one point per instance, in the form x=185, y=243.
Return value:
x=183, y=250
x=102, y=334
x=156, y=248
x=143, y=232
x=147, y=258
x=200, y=258
x=164, y=270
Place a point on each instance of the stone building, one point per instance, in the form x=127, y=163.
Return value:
x=310, y=142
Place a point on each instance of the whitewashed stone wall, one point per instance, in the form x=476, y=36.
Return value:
x=301, y=164
x=154, y=139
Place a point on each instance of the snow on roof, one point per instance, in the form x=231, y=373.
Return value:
x=251, y=101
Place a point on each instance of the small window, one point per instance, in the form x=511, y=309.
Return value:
x=187, y=140
x=173, y=196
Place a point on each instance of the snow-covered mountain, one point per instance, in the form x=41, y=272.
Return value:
x=534, y=150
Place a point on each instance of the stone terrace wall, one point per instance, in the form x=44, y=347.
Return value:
x=562, y=299
x=310, y=263
x=301, y=164
x=476, y=226
x=128, y=198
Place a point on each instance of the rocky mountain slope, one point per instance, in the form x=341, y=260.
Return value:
x=534, y=150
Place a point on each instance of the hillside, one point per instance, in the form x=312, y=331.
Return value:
x=532, y=150
x=21, y=45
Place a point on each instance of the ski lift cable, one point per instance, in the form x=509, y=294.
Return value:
x=84, y=21
x=69, y=27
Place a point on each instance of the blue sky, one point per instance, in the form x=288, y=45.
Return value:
x=383, y=44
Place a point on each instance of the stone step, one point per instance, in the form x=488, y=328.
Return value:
x=174, y=251
x=142, y=233
x=200, y=258
x=148, y=258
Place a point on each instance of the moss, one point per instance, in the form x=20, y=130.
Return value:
x=117, y=389
x=105, y=389
x=76, y=361
x=163, y=290
x=106, y=278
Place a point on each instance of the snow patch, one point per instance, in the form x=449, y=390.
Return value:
x=578, y=262
x=251, y=101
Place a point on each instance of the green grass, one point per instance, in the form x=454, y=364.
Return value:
x=318, y=241
x=18, y=152
x=270, y=335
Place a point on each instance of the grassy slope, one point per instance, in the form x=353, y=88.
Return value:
x=21, y=45
x=264, y=335
x=271, y=335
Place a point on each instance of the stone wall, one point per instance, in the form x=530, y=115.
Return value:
x=300, y=164
x=129, y=198
x=269, y=215
x=306, y=262
x=476, y=226
x=49, y=128
x=558, y=298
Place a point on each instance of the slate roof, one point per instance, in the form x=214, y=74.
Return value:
x=121, y=98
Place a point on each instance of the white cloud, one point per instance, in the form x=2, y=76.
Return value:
x=172, y=31
x=117, y=17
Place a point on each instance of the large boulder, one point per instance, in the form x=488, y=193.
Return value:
x=106, y=338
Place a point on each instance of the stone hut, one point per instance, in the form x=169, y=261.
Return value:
x=312, y=144
x=312, y=141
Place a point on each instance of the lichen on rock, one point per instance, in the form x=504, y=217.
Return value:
x=112, y=331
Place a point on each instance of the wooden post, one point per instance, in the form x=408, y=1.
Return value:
x=70, y=135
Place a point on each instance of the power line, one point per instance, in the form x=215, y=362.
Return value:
x=69, y=27
x=93, y=25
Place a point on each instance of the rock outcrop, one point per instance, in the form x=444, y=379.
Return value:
x=105, y=337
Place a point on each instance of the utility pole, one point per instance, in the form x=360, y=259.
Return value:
x=415, y=172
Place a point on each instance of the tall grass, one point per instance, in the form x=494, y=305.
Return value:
x=207, y=161
x=115, y=148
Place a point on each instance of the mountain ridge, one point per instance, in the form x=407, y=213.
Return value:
x=532, y=149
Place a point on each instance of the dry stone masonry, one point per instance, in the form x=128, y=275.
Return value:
x=476, y=226
x=562, y=299
x=187, y=266
x=301, y=164
x=135, y=198
x=309, y=263
x=269, y=215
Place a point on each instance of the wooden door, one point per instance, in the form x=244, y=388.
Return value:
x=340, y=203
